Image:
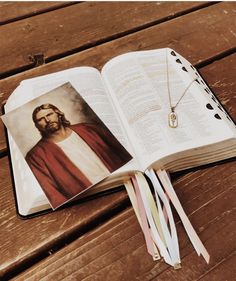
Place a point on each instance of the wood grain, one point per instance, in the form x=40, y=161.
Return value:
x=116, y=250
x=223, y=76
x=54, y=247
x=55, y=33
x=10, y=11
x=225, y=270
x=39, y=235
x=183, y=34
x=149, y=38
x=216, y=198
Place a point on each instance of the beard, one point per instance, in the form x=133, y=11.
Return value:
x=50, y=128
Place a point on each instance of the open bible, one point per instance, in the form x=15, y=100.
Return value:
x=156, y=105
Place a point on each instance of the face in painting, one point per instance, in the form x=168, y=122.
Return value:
x=48, y=121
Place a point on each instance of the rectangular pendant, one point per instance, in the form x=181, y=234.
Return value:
x=172, y=119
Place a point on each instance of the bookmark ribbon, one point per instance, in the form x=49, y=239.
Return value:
x=141, y=188
x=156, y=221
x=195, y=240
x=139, y=210
x=165, y=216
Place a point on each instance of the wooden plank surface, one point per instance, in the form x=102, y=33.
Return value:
x=225, y=270
x=37, y=236
x=50, y=34
x=206, y=195
x=217, y=19
x=117, y=251
x=12, y=11
x=195, y=189
x=224, y=74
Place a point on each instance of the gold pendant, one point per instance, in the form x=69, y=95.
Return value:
x=173, y=119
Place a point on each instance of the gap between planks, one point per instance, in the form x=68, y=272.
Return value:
x=38, y=12
x=110, y=38
x=53, y=263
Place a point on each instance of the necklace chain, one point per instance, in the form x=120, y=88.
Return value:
x=173, y=107
x=172, y=116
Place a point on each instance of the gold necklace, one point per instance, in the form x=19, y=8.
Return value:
x=172, y=116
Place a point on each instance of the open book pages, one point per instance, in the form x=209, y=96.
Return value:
x=132, y=99
x=138, y=83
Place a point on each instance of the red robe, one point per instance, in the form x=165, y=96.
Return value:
x=59, y=177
